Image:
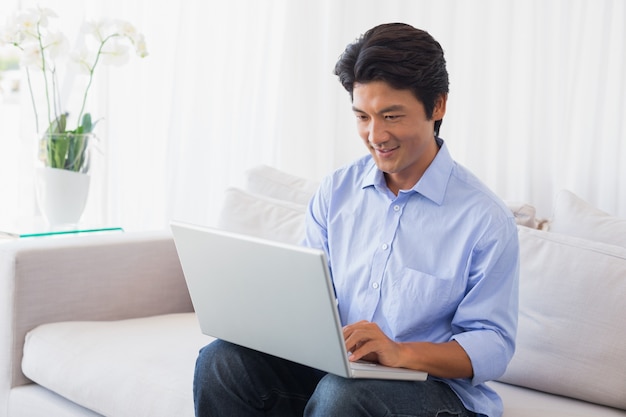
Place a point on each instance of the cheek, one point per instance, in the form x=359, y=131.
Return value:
x=365, y=139
x=363, y=133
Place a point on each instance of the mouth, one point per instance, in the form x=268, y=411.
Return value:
x=384, y=152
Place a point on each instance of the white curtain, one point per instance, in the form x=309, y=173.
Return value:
x=537, y=99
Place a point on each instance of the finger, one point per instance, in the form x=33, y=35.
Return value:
x=349, y=328
x=363, y=351
x=359, y=345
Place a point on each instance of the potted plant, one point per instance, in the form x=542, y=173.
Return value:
x=65, y=145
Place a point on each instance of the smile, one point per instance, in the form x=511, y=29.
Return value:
x=384, y=151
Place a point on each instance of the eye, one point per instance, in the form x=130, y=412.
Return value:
x=392, y=117
x=361, y=117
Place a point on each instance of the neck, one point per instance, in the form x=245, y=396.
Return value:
x=407, y=178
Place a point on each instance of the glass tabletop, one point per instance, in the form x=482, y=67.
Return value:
x=38, y=228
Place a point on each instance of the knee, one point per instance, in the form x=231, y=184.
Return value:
x=219, y=372
x=332, y=385
x=208, y=353
x=217, y=360
x=220, y=368
x=336, y=396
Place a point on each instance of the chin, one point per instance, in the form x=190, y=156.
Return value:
x=386, y=166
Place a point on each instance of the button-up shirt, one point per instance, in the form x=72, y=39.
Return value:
x=437, y=262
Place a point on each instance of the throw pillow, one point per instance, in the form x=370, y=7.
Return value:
x=524, y=214
x=262, y=216
x=274, y=183
x=574, y=216
x=571, y=337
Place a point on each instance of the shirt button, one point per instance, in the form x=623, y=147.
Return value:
x=384, y=246
x=375, y=285
x=396, y=208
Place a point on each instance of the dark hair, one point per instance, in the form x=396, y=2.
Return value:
x=399, y=54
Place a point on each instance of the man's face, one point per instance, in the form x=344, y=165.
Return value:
x=394, y=127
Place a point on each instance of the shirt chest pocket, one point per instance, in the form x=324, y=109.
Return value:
x=418, y=300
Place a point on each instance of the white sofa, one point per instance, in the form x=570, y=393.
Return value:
x=103, y=324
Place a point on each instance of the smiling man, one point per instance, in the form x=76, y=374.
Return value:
x=394, y=126
x=423, y=257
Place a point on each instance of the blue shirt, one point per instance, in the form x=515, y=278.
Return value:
x=438, y=262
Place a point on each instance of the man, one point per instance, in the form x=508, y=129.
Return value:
x=424, y=260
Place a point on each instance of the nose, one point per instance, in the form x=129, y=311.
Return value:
x=377, y=134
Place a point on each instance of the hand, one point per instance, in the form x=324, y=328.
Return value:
x=365, y=340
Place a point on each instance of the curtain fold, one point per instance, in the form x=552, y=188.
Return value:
x=537, y=98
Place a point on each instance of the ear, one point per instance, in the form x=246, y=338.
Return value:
x=440, y=107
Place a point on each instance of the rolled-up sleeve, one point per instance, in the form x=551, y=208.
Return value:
x=485, y=323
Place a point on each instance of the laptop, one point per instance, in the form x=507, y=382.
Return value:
x=269, y=296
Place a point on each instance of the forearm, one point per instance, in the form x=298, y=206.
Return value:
x=443, y=360
x=366, y=341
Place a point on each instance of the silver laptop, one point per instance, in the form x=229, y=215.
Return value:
x=271, y=297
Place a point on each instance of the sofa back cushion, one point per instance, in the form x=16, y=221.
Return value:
x=574, y=216
x=280, y=185
x=571, y=336
x=262, y=216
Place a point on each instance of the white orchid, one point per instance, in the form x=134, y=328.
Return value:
x=27, y=23
x=56, y=45
x=141, y=46
x=127, y=29
x=31, y=57
x=81, y=59
x=115, y=53
x=105, y=41
x=11, y=34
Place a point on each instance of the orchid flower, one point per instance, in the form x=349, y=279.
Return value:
x=104, y=40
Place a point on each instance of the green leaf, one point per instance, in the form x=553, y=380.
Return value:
x=58, y=125
x=57, y=149
x=86, y=126
x=77, y=152
x=71, y=152
x=67, y=149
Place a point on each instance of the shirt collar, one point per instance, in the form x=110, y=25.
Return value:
x=433, y=183
x=373, y=176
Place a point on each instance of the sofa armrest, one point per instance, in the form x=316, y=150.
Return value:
x=84, y=277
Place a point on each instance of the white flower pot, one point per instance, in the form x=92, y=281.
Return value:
x=61, y=195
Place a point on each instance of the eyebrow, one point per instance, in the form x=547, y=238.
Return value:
x=392, y=108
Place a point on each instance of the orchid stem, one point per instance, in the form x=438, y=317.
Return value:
x=92, y=69
x=32, y=100
x=43, y=70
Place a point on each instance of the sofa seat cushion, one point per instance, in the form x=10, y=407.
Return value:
x=571, y=333
x=136, y=367
x=33, y=400
x=525, y=402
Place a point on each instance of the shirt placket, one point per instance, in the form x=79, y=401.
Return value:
x=382, y=254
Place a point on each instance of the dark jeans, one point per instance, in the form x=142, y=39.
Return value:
x=234, y=381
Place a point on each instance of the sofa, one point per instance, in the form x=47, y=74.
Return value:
x=102, y=324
